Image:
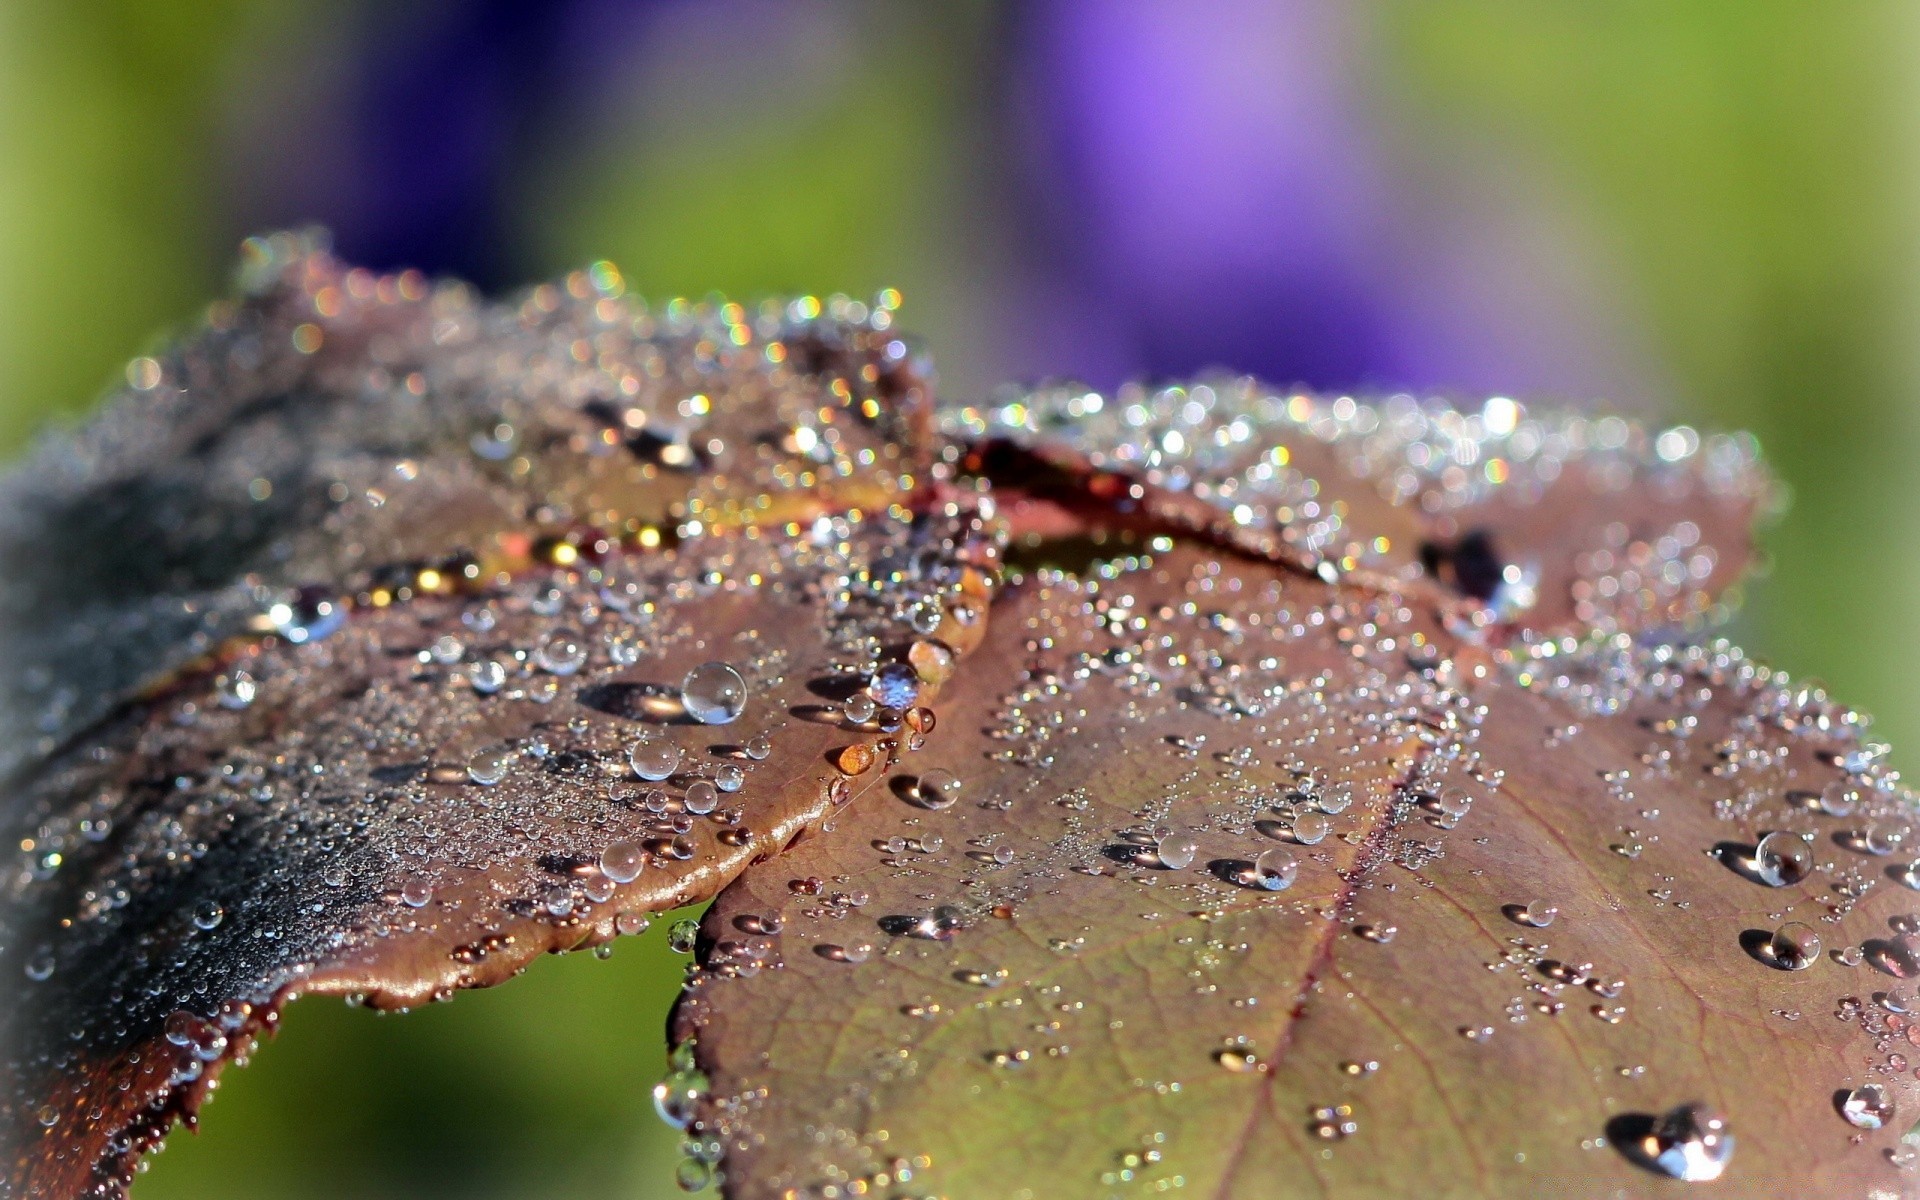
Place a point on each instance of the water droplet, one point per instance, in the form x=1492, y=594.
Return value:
x=895, y=685
x=714, y=693
x=487, y=677
x=1690, y=1142
x=1881, y=838
x=1310, y=828
x=937, y=789
x=729, y=778
x=623, y=861
x=1782, y=859
x=702, y=797
x=1794, y=946
x=1333, y=1122
x=1237, y=1059
x=859, y=709
x=489, y=766
x=682, y=935
x=1839, y=798
x=1275, y=869
x=562, y=653
x=653, y=758
x=40, y=964
x=416, y=893
x=1176, y=851
x=235, y=689
x=855, y=759
x=759, y=748
x=208, y=915
x=1335, y=798
x=1868, y=1106
x=1537, y=915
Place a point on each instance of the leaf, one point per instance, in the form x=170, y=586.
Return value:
x=1046, y=989
x=1555, y=521
x=330, y=432
x=431, y=779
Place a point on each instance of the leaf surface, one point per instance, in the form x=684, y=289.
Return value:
x=1047, y=997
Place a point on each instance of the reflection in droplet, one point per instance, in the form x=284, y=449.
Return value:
x=1176, y=851
x=1868, y=1106
x=1275, y=869
x=1690, y=1142
x=937, y=789
x=489, y=766
x=1782, y=859
x=1795, y=946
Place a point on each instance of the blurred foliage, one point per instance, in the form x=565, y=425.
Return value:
x=1749, y=170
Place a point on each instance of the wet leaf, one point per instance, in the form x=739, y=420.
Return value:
x=1233, y=881
x=1553, y=521
x=391, y=746
x=330, y=433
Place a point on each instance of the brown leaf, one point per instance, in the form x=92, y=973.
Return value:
x=1071, y=981
x=390, y=693
x=330, y=432
x=1554, y=521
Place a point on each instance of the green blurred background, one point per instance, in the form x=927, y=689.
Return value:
x=1702, y=212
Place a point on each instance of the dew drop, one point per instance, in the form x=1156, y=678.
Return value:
x=682, y=935
x=488, y=767
x=937, y=789
x=1335, y=798
x=208, y=915
x=1311, y=828
x=1275, y=869
x=416, y=893
x=1782, y=859
x=1176, y=851
x=859, y=709
x=1868, y=1106
x=653, y=758
x=1537, y=915
x=1690, y=1142
x=714, y=693
x=623, y=861
x=895, y=685
x=1839, y=798
x=1794, y=946
x=855, y=759
x=702, y=797
x=562, y=653
x=487, y=677
x=759, y=748
x=729, y=778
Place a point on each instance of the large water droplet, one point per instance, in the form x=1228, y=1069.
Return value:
x=1311, y=828
x=1176, y=851
x=895, y=685
x=1690, y=1142
x=623, y=861
x=489, y=766
x=1782, y=859
x=714, y=693
x=937, y=789
x=1275, y=869
x=1868, y=1106
x=1794, y=946
x=653, y=758
x=563, y=653
x=682, y=935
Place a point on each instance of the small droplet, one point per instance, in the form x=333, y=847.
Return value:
x=208, y=915
x=1275, y=869
x=653, y=758
x=562, y=653
x=1839, y=798
x=1868, y=1106
x=714, y=693
x=759, y=748
x=489, y=766
x=623, y=861
x=1237, y=1059
x=1176, y=851
x=416, y=893
x=682, y=935
x=729, y=777
x=1335, y=798
x=1782, y=859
